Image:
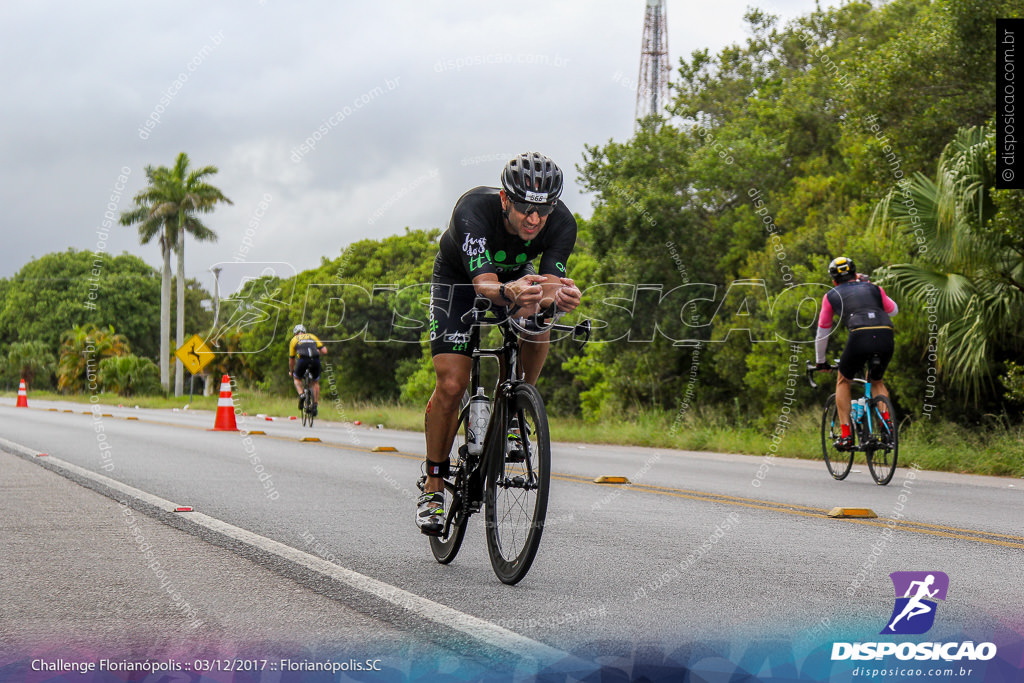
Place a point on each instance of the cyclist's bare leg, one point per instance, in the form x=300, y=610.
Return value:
x=442, y=415
x=878, y=388
x=534, y=351
x=316, y=392
x=843, y=389
x=298, y=385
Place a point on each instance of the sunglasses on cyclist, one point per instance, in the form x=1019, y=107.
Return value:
x=527, y=208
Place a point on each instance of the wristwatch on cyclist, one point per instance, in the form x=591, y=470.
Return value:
x=501, y=291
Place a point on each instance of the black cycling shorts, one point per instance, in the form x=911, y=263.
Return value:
x=301, y=363
x=449, y=301
x=861, y=345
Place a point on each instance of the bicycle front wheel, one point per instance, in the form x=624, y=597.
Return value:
x=838, y=462
x=517, y=486
x=884, y=441
x=446, y=546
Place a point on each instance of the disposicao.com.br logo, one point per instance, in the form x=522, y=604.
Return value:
x=914, y=613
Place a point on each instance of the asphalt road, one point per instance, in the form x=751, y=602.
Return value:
x=697, y=548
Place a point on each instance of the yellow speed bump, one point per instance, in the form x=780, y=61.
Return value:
x=256, y=432
x=54, y=410
x=384, y=449
x=842, y=513
x=612, y=480
x=311, y=439
x=131, y=417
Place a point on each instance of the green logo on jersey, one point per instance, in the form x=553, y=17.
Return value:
x=478, y=262
x=503, y=264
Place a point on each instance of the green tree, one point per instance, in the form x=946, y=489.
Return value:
x=170, y=206
x=129, y=375
x=83, y=348
x=969, y=270
x=56, y=291
x=30, y=360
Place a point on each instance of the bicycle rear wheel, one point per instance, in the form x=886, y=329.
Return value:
x=884, y=441
x=517, y=487
x=307, y=409
x=838, y=462
x=446, y=546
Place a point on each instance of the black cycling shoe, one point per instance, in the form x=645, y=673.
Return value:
x=315, y=406
x=844, y=443
x=430, y=513
x=302, y=399
x=514, y=447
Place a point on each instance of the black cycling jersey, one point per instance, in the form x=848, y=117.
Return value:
x=477, y=242
x=860, y=304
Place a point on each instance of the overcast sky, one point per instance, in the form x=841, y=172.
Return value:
x=419, y=100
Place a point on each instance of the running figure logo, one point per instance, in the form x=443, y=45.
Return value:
x=916, y=593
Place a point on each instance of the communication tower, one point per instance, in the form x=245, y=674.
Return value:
x=652, y=86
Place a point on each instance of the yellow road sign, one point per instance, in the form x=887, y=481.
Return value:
x=194, y=354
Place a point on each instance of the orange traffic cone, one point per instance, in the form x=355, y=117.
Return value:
x=22, y=396
x=225, y=421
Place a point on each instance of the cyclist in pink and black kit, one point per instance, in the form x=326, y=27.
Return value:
x=865, y=310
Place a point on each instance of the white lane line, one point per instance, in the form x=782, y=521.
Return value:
x=473, y=627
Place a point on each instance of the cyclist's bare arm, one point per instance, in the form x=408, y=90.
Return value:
x=526, y=292
x=531, y=292
x=566, y=294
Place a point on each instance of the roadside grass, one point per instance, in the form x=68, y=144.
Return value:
x=994, y=449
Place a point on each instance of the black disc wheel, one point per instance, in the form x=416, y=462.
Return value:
x=838, y=462
x=517, y=485
x=446, y=546
x=883, y=442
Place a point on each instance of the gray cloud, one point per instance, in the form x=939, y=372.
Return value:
x=471, y=83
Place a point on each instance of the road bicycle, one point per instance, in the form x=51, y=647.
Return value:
x=307, y=399
x=874, y=436
x=509, y=474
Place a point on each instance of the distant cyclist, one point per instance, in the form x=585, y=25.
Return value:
x=492, y=238
x=865, y=310
x=304, y=352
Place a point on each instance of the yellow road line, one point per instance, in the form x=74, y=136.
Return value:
x=942, y=531
x=988, y=537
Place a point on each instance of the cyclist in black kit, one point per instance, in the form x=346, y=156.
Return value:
x=492, y=238
x=865, y=310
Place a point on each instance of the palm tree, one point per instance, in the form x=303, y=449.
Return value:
x=155, y=218
x=172, y=201
x=970, y=273
x=26, y=360
x=82, y=349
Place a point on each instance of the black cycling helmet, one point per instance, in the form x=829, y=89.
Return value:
x=842, y=269
x=532, y=177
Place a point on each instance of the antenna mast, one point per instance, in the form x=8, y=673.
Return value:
x=652, y=86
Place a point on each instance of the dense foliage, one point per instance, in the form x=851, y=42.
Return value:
x=863, y=130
